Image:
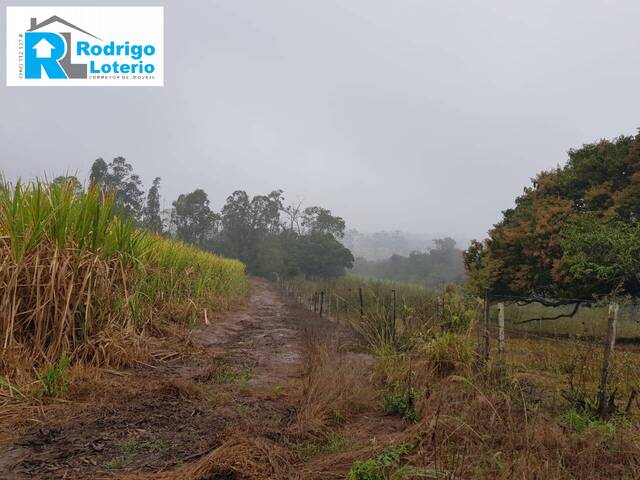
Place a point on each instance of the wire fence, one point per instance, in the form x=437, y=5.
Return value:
x=543, y=334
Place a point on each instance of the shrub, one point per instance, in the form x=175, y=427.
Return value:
x=402, y=405
x=378, y=468
x=365, y=470
x=459, y=311
x=581, y=421
x=449, y=353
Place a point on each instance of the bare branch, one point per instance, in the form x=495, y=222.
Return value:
x=576, y=306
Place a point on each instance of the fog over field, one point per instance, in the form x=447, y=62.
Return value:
x=419, y=116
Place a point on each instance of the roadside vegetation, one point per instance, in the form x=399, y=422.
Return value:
x=529, y=414
x=538, y=409
x=82, y=284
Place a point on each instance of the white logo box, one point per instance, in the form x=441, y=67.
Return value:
x=125, y=26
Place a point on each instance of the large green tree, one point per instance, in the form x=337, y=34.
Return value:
x=246, y=222
x=69, y=179
x=118, y=177
x=320, y=255
x=192, y=218
x=321, y=220
x=540, y=245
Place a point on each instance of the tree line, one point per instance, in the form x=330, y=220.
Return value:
x=434, y=267
x=265, y=232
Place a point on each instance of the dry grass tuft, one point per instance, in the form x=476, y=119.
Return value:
x=336, y=385
x=239, y=458
x=114, y=349
x=242, y=457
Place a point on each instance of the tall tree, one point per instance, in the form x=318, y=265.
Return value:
x=193, y=219
x=69, y=179
x=151, y=215
x=99, y=172
x=118, y=177
x=320, y=220
x=245, y=222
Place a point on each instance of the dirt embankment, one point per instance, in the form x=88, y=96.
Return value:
x=252, y=397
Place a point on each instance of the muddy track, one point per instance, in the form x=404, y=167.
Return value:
x=159, y=417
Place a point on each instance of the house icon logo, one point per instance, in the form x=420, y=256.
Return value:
x=49, y=53
x=85, y=46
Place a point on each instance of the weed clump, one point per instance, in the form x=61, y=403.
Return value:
x=582, y=421
x=54, y=377
x=448, y=353
x=380, y=467
x=402, y=405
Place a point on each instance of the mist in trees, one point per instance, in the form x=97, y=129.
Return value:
x=270, y=236
x=439, y=265
x=267, y=234
x=382, y=245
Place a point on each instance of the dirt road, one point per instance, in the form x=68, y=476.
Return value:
x=238, y=390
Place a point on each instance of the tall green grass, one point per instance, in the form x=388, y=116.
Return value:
x=74, y=276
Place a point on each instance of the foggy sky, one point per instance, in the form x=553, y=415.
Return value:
x=424, y=116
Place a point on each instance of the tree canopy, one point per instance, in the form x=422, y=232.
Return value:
x=118, y=177
x=571, y=234
x=271, y=237
x=193, y=219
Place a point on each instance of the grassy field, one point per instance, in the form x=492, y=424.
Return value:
x=588, y=321
x=531, y=414
x=79, y=284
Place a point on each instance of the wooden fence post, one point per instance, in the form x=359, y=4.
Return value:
x=337, y=308
x=315, y=302
x=361, y=303
x=487, y=345
x=501, y=330
x=393, y=317
x=321, y=302
x=607, y=362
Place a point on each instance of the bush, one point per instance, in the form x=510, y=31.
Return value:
x=365, y=470
x=460, y=311
x=402, y=405
x=378, y=468
x=449, y=353
x=581, y=421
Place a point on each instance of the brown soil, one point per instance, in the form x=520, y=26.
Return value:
x=237, y=391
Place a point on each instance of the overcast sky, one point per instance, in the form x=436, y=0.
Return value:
x=424, y=116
